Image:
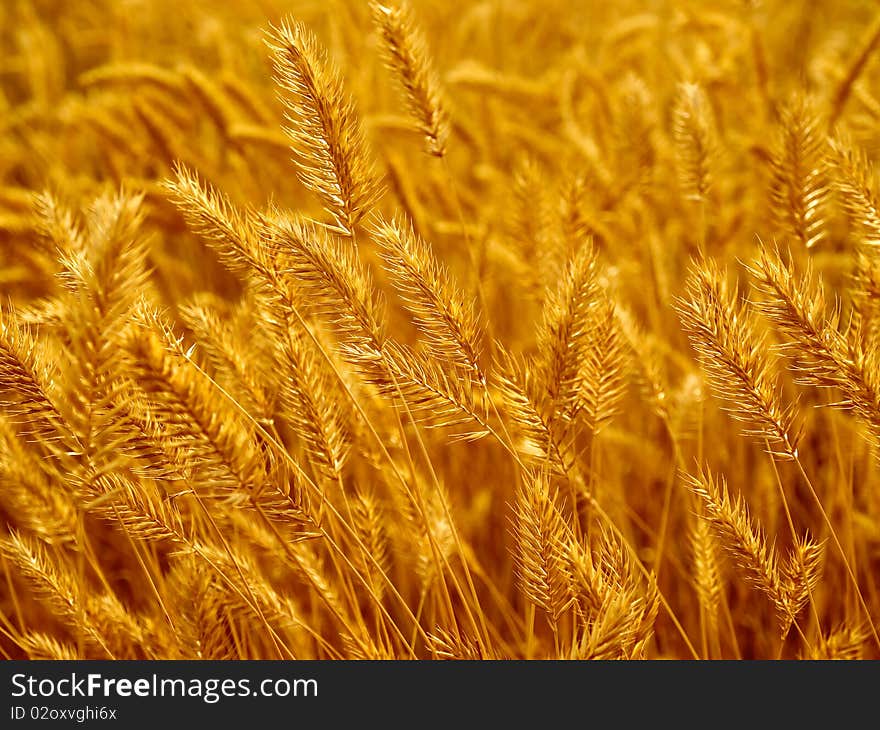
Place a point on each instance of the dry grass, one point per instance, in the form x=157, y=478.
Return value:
x=439, y=330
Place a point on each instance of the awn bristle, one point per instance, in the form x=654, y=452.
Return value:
x=275, y=383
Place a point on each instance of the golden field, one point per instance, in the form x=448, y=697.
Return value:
x=473, y=330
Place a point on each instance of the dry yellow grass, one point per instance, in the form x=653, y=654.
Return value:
x=439, y=330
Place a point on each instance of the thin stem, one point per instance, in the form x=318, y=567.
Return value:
x=840, y=549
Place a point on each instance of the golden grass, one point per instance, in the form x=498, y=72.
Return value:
x=439, y=330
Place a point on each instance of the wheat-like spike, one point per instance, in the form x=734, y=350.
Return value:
x=163, y=132
x=614, y=562
x=588, y=584
x=618, y=572
x=250, y=411
x=341, y=289
x=707, y=572
x=744, y=541
x=58, y=225
x=309, y=406
x=285, y=504
x=855, y=182
x=250, y=627
x=734, y=357
x=802, y=571
x=800, y=189
x=566, y=332
x=326, y=137
x=821, y=354
x=634, y=129
x=648, y=365
x=202, y=630
x=118, y=623
x=260, y=135
x=532, y=227
x=609, y=633
x=238, y=239
x=644, y=607
x=52, y=581
x=230, y=232
x=151, y=454
x=248, y=591
x=248, y=99
x=447, y=646
x=436, y=396
x=115, y=247
x=865, y=293
x=542, y=537
x=26, y=389
x=866, y=49
x=211, y=96
x=693, y=131
x=19, y=199
x=426, y=533
x=133, y=73
x=41, y=646
x=137, y=508
x=602, y=561
x=219, y=443
x=796, y=306
x=30, y=493
x=369, y=520
x=109, y=277
x=603, y=371
x=311, y=566
x=860, y=371
x=33, y=562
x=604, y=579
x=439, y=307
x=44, y=315
x=236, y=360
x=540, y=440
x=340, y=286
x=408, y=58
x=578, y=206
x=845, y=642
